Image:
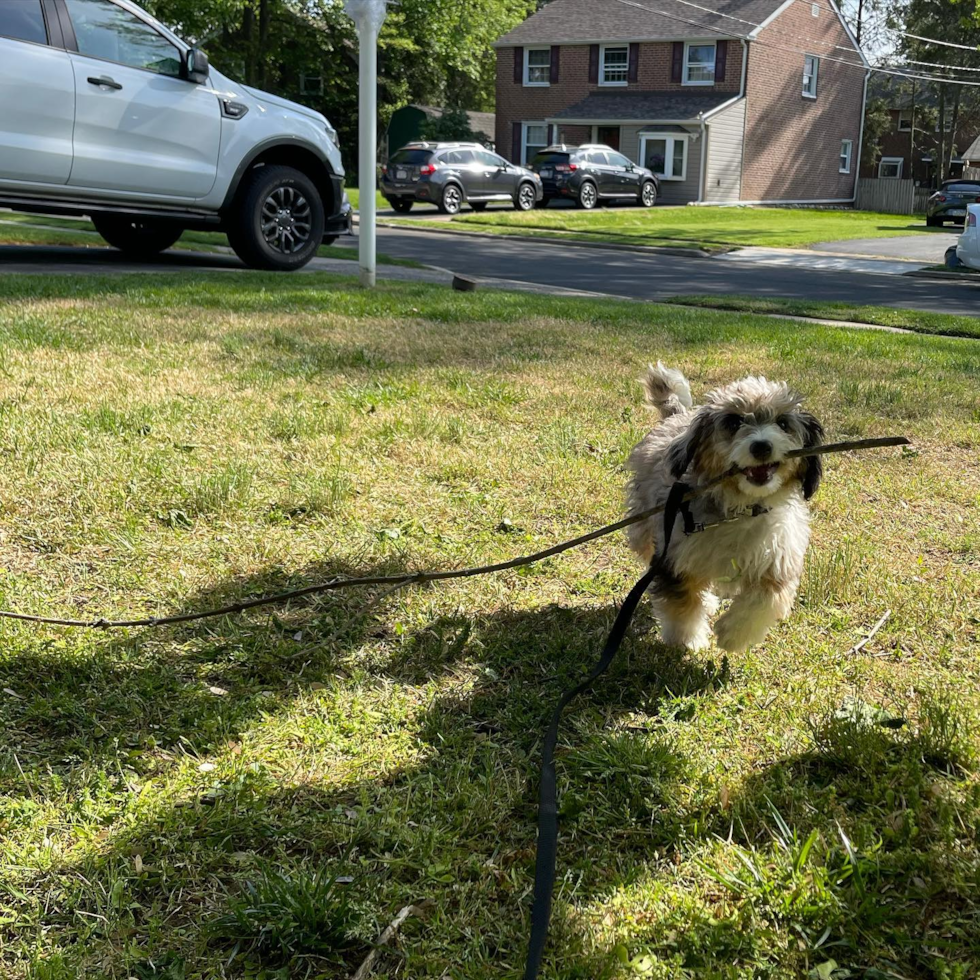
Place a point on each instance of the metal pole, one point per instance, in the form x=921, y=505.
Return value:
x=368, y=16
x=367, y=154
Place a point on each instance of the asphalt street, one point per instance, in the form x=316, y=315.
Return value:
x=657, y=276
x=619, y=273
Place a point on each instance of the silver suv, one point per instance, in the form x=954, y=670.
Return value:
x=106, y=113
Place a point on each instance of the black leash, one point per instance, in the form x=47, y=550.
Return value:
x=544, y=870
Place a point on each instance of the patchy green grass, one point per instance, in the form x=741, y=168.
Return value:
x=355, y=198
x=885, y=316
x=258, y=796
x=699, y=227
x=36, y=229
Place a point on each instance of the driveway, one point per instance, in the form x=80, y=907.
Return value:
x=929, y=248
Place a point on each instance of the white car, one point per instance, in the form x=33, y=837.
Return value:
x=106, y=113
x=968, y=244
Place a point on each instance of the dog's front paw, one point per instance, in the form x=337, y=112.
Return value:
x=735, y=632
x=690, y=637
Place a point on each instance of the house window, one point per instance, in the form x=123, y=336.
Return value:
x=614, y=64
x=699, y=64
x=905, y=122
x=665, y=155
x=811, y=66
x=311, y=84
x=537, y=66
x=534, y=138
x=846, y=150
x=890, y=168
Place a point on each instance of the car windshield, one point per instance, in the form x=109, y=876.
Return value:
x=411, y=157
x=961, y=188
x=548, y=160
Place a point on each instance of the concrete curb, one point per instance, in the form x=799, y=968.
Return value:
x=574, y=242
x=954, y=276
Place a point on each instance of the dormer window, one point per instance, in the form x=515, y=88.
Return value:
x=614, y=64
x=699, y=63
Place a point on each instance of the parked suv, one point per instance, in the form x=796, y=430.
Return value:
x=107, y=113
x=592, y=173
x=949, y=203
x=449, y=174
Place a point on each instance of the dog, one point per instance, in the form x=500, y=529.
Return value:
x=756, y=558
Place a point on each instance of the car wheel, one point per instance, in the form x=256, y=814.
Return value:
x=588, y=196
x=452, y=200
x=277, y=219
x=479, y=205
x=140, y=239
x=526, y=198
x=932, y=222
x=648, y=195
x=951, y=259
x=401, y=205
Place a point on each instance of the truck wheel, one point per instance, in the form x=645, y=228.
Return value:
x=401, y=205
x=140, y=239
x=277, y=219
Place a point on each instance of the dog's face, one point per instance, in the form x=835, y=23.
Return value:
x=751, y=424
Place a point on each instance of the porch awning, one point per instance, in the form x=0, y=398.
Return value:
x=641, y=108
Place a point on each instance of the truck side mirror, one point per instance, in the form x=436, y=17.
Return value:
x=197, y=68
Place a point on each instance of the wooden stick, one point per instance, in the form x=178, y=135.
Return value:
x=858, y=647
x=365, y=968
x=416, y=578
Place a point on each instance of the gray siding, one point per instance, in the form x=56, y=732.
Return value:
x=671, y=191
x=726, y=134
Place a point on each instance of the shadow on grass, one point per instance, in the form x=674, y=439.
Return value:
x=406, y=759
x=447, y=815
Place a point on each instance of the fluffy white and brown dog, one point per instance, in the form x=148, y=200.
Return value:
x=757, y=559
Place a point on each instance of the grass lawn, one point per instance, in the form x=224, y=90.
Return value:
x=178, y=803
x=771, y=227
x=355, y=196
x=25, y=229
x=886, y=316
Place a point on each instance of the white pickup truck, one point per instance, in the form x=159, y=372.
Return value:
x=106, y=113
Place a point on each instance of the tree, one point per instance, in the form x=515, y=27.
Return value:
x=877, y=122
x=452, y=125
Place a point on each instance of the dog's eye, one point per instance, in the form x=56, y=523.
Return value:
x=732, y=423
x=783, y=423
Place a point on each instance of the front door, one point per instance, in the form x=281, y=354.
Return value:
x=139, y=126
x=609, y=135
x=37, y=99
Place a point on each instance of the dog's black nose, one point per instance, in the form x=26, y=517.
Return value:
x=761, y=449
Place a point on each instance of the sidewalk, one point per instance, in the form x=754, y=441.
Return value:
x=823, y=261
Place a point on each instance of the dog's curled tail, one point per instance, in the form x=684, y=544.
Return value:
x=667, y=390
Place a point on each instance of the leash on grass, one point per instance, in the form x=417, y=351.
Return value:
x=547, y=843
x=417, y=578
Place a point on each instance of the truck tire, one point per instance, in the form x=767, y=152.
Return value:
x=135, y=237
x=277, y=219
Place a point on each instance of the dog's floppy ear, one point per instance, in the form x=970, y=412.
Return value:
x=684, y=448
x=813, y=470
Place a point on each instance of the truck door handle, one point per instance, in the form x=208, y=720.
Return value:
x=104, y=80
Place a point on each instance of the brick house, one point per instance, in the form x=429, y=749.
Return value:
x=909, y=148
x=762, y=103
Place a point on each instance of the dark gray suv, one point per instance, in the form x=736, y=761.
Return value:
x=449, y=174
x=592, y=173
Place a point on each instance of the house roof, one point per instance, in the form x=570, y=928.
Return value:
x=972, y=152
x=591, y=21
x=480, y=122
x=639, y=107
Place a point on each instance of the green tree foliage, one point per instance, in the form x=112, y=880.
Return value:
x=877, y=122
x=432, y=53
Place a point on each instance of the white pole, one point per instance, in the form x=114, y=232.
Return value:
x=367, y=157
x=368, y=15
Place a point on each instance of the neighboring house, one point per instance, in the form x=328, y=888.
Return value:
x=909, y=149
x=760, y=103
x=406, y=125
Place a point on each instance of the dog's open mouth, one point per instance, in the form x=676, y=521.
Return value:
x=761, y=475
